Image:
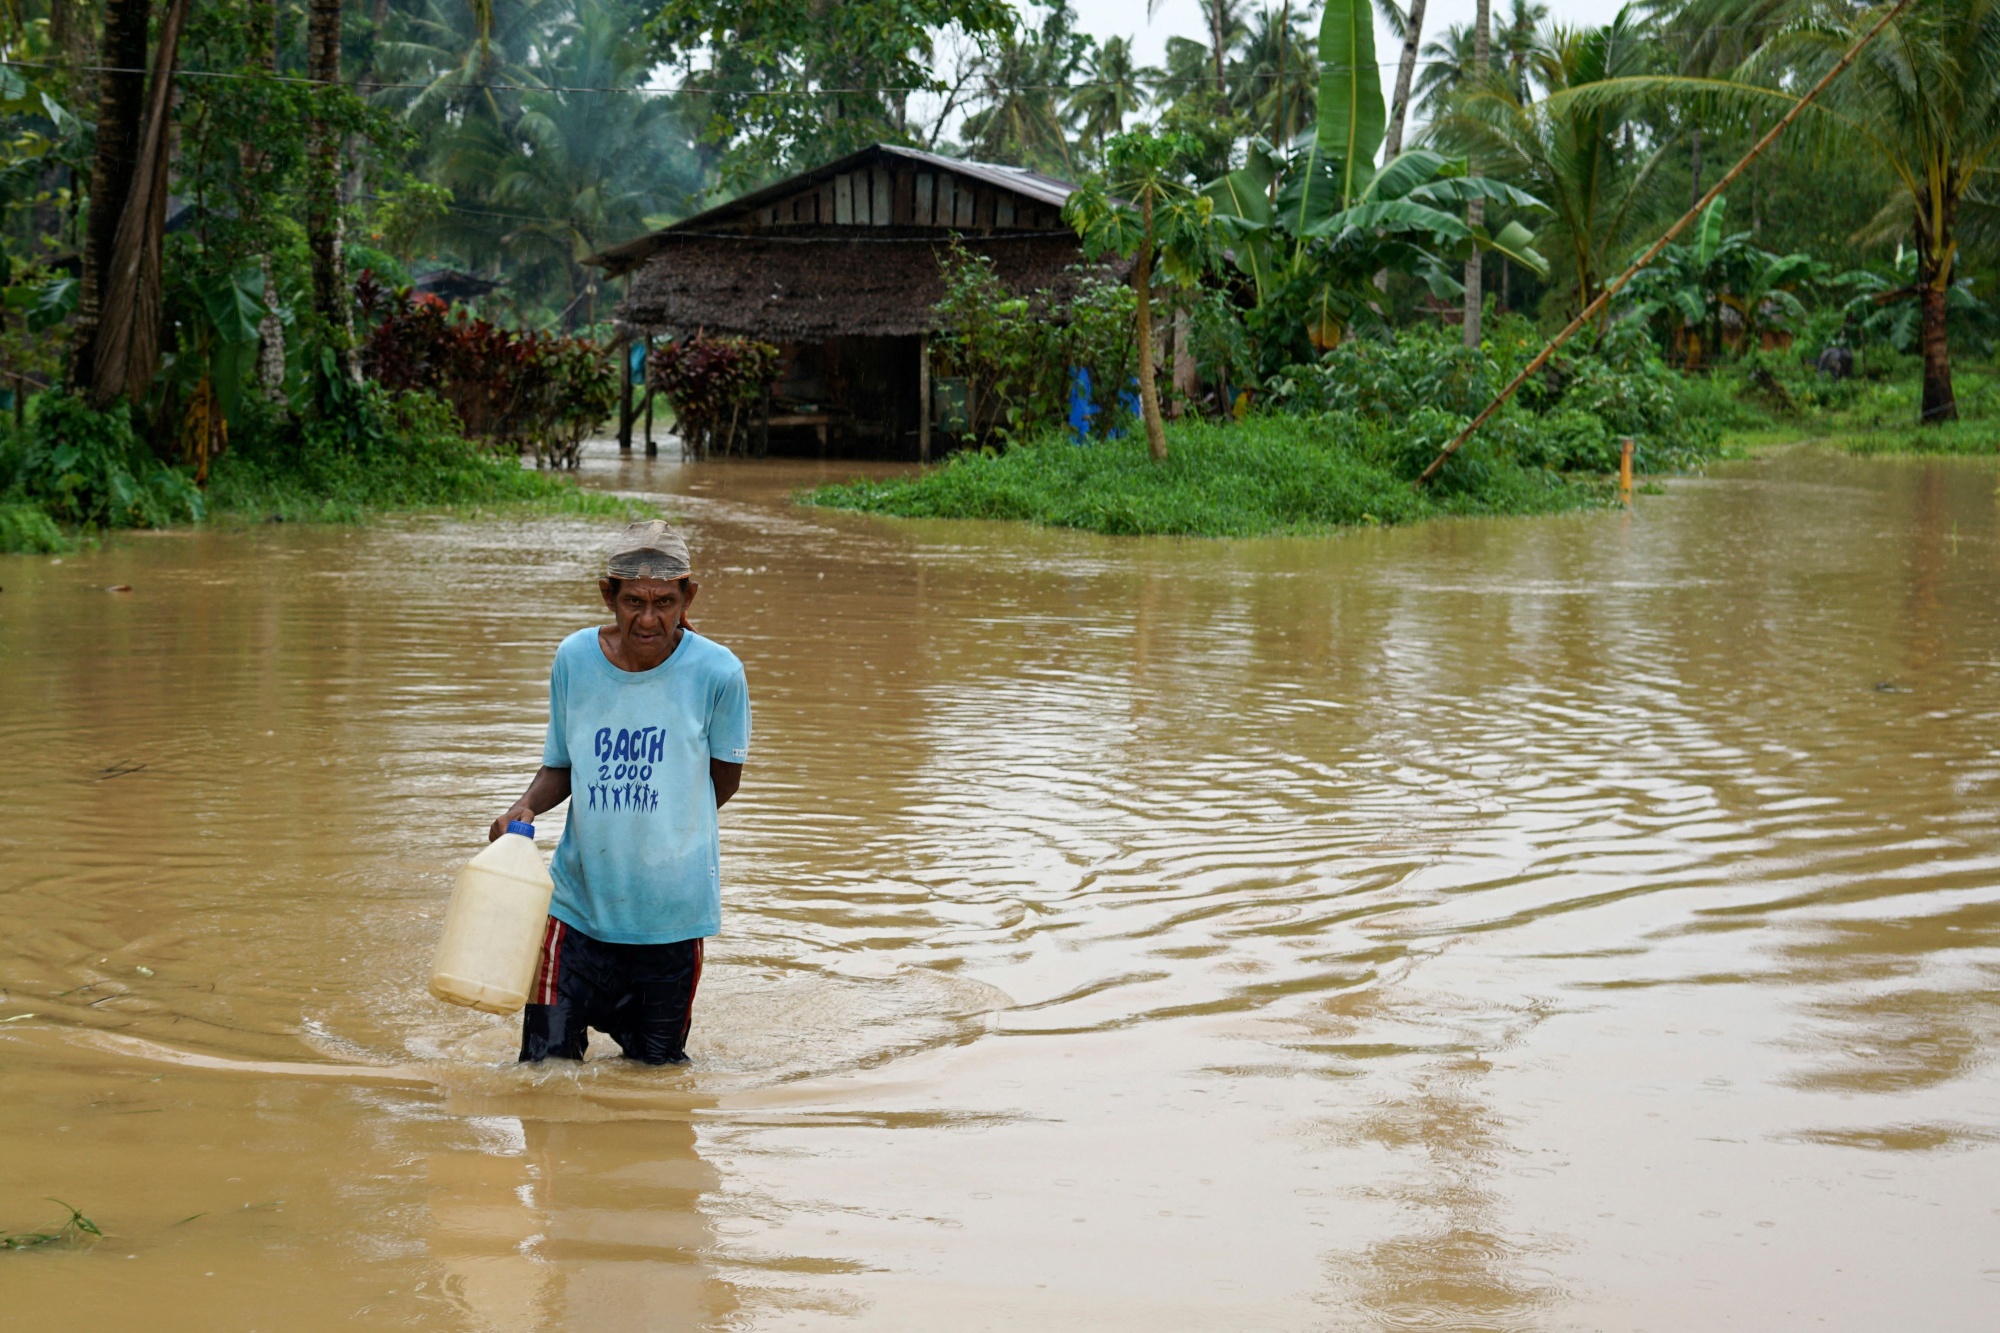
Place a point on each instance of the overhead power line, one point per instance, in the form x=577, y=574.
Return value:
x=650, y=90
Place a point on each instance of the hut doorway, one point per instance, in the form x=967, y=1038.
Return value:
x=848, y=397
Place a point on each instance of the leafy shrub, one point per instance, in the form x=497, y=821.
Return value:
x=710, y=382
x=1715, y=399
x=1425, y=376
x=24, y=528
x=383, y=451
x=1426, y=366
x=88, y=468
x=1019, y=352
x=517, y=390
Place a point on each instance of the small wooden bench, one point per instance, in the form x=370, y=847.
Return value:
x=819, y=421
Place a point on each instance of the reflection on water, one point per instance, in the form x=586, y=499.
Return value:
x=1577, y=923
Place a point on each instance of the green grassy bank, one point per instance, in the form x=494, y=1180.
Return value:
x=1874, y=414
x=1264, y=476
x=73, y=473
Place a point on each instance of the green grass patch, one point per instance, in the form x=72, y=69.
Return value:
x=1265, y=476
x=69, y=1232
x=1955, y=438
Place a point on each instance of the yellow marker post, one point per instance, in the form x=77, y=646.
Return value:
x=1625, y=471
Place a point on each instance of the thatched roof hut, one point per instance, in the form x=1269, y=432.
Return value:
x=804, y=289
x=849, y=249
x=840, y=267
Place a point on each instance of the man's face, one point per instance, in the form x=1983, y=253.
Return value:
x=648, y=610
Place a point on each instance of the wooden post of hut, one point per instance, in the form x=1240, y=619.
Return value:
x=624, y=349
x=652, y=450
x=923, y=397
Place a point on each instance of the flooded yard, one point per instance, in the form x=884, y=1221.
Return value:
x=1581, y=923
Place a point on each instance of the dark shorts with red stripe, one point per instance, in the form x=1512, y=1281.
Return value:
x=641, y=995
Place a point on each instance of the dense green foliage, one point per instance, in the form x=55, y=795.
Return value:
x=711, y=383
x=1019, y=354
x=1301, y=241
x=511, y=389
x=81, y=470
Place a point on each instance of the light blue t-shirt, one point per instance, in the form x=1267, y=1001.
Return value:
x=639, y=861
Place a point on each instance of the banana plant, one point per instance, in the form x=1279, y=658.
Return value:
x=1686, y=290
x=216, y=318
x=1310, y=226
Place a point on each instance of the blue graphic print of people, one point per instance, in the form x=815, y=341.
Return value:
x=624, y=776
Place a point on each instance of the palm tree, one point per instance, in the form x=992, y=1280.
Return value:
x=1274, y=81
x=571, y=169
x=450, y=59
x=1447, y=63
x=331, y=302
x=575, y=170
x=1142, y=207
x=1411, y=30
x=121, y=114
x=1713, y=39
x=1475, y=212
x=1923, y=99
x=1569, y=152
x=1113, y=91
x=1226, y=28
x=1022, y=121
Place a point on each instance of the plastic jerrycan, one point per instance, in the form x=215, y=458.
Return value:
x=493, y=929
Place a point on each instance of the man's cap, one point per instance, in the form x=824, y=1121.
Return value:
x=649, y=550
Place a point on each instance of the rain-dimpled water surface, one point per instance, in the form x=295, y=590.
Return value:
x=1579, y=923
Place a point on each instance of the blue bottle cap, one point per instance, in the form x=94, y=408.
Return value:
x=525, y=830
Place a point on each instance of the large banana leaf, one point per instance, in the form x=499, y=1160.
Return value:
x=1393, y=216
x=1689, y=304
x=1462, y=190
x=1310, y=194
x=1517, y=243
x=1352, y=118
x=1246, y=192
x=1785, y=270
x=1708, y=232
x=1407, y=171
x=1242, y=203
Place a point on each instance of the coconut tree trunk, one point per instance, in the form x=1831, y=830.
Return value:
x=121, y=113
x=125, y=343
x=70, y=31
x=1936, y=248
x=261, y=33
x=1142, y=282
x=331, y=301
x=1406, y=69
x=1694, y=167
x=1215, y=18
x=1475, y=212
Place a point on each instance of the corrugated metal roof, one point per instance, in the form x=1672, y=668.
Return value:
x=1043, y=189
x=1029, y=184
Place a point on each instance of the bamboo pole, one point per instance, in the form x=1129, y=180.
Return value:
x=1590, y=311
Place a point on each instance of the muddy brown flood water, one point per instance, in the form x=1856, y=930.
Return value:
x=1584, y=923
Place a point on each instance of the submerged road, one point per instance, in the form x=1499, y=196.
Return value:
x=1575, y=923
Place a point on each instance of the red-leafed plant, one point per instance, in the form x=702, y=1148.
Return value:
x=515, y=390
x=709, y=381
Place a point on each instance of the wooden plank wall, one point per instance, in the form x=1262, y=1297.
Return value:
x=907, y=197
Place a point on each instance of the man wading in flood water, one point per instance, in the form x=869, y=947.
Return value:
x=649, y=725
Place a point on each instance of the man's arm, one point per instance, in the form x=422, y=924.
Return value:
x=727, y=777
x=549, y=790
